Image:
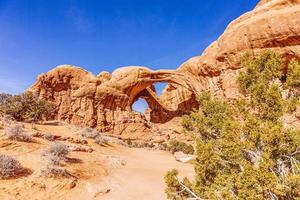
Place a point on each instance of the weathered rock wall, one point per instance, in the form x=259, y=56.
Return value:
x=273, y=24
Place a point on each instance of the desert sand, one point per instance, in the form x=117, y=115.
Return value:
x=109, y=172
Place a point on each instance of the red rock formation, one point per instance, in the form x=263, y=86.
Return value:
x=105, y=101
x=273, y=24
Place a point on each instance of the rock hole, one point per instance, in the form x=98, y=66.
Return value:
x=159, y=87
x=140, y=106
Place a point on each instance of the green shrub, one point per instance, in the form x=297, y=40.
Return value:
x=293, y=74
x=243, y=149
x=262, y=69
x=208, y=121
x=26, y=106
x=292, y=104
x=175, y=145
x=258, y=80
x=172, y=183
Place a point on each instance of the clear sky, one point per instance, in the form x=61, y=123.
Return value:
x=37, y=35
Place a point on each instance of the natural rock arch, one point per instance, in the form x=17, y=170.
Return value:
x=100, y=101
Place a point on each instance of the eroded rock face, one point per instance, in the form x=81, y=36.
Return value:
x=104, y=101
x=273, y=24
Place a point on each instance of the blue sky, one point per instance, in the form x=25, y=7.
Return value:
x=37, y=35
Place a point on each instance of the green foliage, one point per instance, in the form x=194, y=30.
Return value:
x=208, y=121
x=261, y=69
x=293, y=74
x=271, y=104
x=174, y=189
x=291, y=104
x=175, y=145
x=258, y=80
x=26, y=107
x=173, y=185
x=243, y=149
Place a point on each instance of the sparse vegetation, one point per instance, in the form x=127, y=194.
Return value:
x=25, y=107
x=6, y=119
x=16, y=132
x=4, y=97
x=89, y=133
x=128, y=141
x=55, y=172
x=101, y=140
x=243, y=149
x=49, y=137
x=175, y=145
x=56, y=153
x=10, y=167
x=94, y=134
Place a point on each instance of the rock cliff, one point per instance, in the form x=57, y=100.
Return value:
x=104, y=101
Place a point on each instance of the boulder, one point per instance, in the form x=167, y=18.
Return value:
x=184, y=158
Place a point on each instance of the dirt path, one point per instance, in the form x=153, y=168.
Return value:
x=141, y=178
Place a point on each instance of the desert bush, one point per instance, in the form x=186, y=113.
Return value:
x=56, y=153
x=4, y=98
x=16, y=132
x=49, y=137
x=26, y=106
x=6, y=119
x=128, y=142
x=101, y=140
x=94, y=134
x=54, y=172
x=175, y=145
x=163, y=146
x=9, y=167
x=89, y=133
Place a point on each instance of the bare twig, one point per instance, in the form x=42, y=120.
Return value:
x=195, y=197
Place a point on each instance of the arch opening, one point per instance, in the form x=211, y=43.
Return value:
x=140, y=105
x=148, y=100
x=159, y=87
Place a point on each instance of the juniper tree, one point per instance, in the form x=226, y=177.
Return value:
x=243, y=149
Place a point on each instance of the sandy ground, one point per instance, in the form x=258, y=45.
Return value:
x=109, y=173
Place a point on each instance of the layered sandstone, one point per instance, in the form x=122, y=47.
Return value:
x=104, y=101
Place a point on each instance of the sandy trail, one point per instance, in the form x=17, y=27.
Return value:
x=142, y=176
x=101, y=174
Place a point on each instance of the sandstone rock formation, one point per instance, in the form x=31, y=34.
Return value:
x=104, y=101
x=273, y=24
